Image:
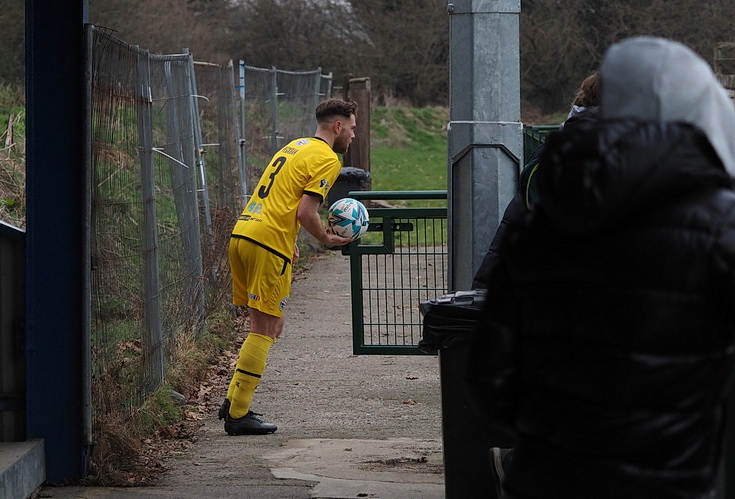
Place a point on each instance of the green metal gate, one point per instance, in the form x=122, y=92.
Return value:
x=400, y=262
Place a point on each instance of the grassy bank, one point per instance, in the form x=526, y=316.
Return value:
x=409, y=148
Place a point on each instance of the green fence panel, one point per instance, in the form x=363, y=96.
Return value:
x=534, y=136
x=400, y=262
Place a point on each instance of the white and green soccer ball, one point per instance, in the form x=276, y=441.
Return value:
x=348, y=217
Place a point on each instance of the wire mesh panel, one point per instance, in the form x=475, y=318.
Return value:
x=217, y=108
x=222, y=182
x=117, y=235
x=146, y=245
x=399, y=263
x=277, y=107
x=168, y=179
x=179, y=245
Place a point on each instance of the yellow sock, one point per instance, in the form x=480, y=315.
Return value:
x=248, y=370
x=255, y=341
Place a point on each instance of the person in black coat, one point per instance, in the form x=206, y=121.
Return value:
x=607, y=341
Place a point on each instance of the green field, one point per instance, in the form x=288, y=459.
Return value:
x=409, y=153
x=408, y=148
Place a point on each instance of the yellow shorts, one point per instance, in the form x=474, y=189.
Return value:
x=260, y=278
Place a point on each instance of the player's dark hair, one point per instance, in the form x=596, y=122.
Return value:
x=328, y=109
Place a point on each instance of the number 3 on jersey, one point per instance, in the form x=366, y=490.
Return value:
x=266, y=189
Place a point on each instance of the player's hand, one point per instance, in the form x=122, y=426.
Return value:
x=296, y=253
x=335, y=240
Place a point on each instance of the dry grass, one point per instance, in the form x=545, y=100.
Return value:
x=13, y=170
x=130, y=444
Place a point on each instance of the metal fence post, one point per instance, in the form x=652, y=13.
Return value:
x=199, y=146
x=238, y=117
x=152, y=334
x=243, y=141
x=485, y=131
x=274, y=110
x=330, y=80
x=317, y=90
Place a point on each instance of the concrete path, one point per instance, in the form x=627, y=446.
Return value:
x=349, y=426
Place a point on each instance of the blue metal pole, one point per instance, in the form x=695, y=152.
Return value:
x=56, y=233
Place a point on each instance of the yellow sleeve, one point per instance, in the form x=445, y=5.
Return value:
x=322, y=175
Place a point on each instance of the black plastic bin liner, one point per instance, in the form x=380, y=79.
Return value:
x=450, y=319
x=356, y=176
x=349, y=179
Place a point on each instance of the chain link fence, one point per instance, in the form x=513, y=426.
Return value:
x=176, y=145
x=275, y=107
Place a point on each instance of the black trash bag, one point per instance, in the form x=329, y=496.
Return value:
x=357, y=176
x=450, y=319
x=349, y=179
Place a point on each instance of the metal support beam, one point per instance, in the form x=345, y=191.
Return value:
x=485, y=151
x=57, y=274
x=485, y=131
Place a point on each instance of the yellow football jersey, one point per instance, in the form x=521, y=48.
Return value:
x=306, y=165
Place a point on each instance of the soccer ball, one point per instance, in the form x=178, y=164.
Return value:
x=348, y=217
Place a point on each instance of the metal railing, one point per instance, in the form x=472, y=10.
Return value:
x=400, y=262
x=534, y=136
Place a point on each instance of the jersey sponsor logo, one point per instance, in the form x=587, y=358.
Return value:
x=324, y=185
x=255, y=208
x=289, y=150
x=302, y=142
x=283, y=303
x=249, y=218
x=254, y=297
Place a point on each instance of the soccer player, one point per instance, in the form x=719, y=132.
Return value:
x=263, y=248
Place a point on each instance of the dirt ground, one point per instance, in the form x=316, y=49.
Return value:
x=348, y=426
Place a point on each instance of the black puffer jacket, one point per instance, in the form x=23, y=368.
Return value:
x=526, y=195
x=609, y=336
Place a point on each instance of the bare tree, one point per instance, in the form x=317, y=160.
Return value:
x=563, y=40
x=293, y=34
x=408, y=48
x=402, y=45
x=166, y=26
